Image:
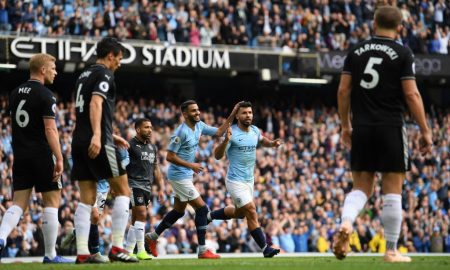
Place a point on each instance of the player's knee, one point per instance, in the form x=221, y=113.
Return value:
x=250, y=208
x=239, y=214
x=118, y=190
x=250, y=211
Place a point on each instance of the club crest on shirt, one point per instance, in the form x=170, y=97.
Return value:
x=140, y=199
x=176, y=140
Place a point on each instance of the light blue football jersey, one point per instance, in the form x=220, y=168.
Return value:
x=102, y=186
x=241, y=152
x=184, y=143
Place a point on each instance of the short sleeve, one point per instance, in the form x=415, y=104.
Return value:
x=408, y=71
x=175, y=142
x=49, y=104
x=103, y=84
x=208, y=130
x=347, y=69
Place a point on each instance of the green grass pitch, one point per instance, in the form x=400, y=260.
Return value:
x=291, y=263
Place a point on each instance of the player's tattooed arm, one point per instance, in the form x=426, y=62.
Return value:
x=222, y=129
x=159, y=182
x=219, y=151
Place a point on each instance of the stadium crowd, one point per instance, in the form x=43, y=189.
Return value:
x=287, y=24
x=299, y=187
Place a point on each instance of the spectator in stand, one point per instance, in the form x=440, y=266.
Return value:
x=314, y=25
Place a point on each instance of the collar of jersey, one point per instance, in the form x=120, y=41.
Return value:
x=33, y=80
x=136, y=138
x=97, y=64
x=381, y=37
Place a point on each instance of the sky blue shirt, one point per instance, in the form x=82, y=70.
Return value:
x=241, y=152
x=102, y=186
x=184, y=143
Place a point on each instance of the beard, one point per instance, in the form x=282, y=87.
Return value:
x=246, y=123
x=194, y=119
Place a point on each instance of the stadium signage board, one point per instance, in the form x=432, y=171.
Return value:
x=425, y=64
x=145, y=54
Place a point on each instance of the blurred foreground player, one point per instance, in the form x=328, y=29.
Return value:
x=94, y=150
x=377, y=80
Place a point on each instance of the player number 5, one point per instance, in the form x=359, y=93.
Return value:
x=372, y=72
x=22, y=114
x=79, y=101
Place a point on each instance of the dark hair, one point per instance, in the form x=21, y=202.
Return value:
x=140, y=121
x=186, y=104
x=108, y=45
x=388, y=17
x=245, y=104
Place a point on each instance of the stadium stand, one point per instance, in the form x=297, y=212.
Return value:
x=288, y=25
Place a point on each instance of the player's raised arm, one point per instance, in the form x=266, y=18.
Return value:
x=95, y=117
x=219, y=151
x=229, y=120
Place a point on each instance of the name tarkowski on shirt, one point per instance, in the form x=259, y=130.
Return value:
x=377, y=47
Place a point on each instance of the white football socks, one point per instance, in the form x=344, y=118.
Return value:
x=139, y=229
x=131, y=239
x=50, y=230
x=10, y=221
x=82, y=227
x=391, y=217
x=353, y=204
x=119, y=218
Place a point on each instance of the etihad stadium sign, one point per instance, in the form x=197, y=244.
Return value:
x=146, y=55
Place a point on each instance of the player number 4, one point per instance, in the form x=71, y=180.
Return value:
x=79, y=101
x=22, y=117
x=372, y=72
